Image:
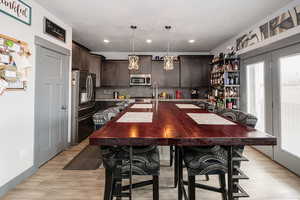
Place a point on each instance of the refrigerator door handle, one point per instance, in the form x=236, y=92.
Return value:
x=89, y=88
x=92, y=87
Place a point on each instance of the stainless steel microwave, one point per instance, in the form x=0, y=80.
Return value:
x=140, y=79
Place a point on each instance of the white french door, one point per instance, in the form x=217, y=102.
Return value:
x=286, y=94
x=257, y=95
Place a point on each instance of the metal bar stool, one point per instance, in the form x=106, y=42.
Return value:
x=123, y=162
x=173, y=151
x=213, y=160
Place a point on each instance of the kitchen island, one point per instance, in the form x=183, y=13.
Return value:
x=172, y=125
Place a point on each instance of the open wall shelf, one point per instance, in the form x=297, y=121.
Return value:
x=225, y=83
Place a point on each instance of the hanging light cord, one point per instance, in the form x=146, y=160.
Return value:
x=133, y=37
x=133, y=34
x=168, y=45
x=169, y=34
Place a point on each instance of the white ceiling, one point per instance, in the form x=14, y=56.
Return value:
x=208, y=22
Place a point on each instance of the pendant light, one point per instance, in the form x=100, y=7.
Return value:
x=168, y=60
x=133, y=59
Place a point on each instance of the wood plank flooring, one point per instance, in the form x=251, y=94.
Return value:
x=269, y=181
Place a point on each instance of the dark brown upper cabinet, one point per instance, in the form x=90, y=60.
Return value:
x=75, y=56
x=94, y=63
x=145, y=65
x=85, y=59
x=165, y=78
x=195, y=70
x=115, y=73
x=80, y=56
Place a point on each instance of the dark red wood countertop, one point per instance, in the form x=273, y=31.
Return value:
x=172, y=126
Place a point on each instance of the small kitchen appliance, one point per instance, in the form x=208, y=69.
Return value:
x=140, y=80
x=195, y=93
x=116, y=94
x=178, y=94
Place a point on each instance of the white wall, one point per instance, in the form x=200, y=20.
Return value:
x=124, y=55
x=17, y=108
x=288, y=33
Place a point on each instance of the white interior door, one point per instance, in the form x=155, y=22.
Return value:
x=287, y=106
x=51, y=103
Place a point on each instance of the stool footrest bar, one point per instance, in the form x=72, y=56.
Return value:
x=241, y=194
x=241, y=176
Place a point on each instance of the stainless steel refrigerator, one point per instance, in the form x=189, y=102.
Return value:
x=83, y=105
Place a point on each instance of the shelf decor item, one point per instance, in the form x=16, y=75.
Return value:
x=168, y=60
x=133, y=59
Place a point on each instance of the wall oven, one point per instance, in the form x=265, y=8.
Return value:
x=140, y=80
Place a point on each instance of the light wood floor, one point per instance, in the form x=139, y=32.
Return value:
x=269, y=181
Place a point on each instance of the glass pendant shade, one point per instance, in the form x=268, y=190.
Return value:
x=133, y=62
x=133, y=59
x=169, y=62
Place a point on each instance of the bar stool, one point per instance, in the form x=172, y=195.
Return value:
x=173, y=153
x=122, y=163
x=122, y=105
x=103, y=116
x=212, y=160
x=99, y=119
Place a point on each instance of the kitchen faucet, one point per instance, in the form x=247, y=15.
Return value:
x=155, y=93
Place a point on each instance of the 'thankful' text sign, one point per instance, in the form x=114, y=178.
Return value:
x=16, y=9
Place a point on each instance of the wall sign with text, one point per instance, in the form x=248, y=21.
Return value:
x=54, y=30
x=16, y=9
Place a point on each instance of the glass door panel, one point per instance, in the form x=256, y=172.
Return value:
x=290, y=104
x=286, y=94
x=256, y=93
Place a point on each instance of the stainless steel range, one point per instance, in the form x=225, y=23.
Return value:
x=83, y=105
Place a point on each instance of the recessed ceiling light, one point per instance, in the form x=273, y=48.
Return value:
x=106, y=41
x=191, y=41
x=149, y=41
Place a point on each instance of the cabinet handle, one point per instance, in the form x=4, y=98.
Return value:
x=84, y=118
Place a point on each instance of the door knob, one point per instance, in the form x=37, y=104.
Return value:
x=64, y=107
